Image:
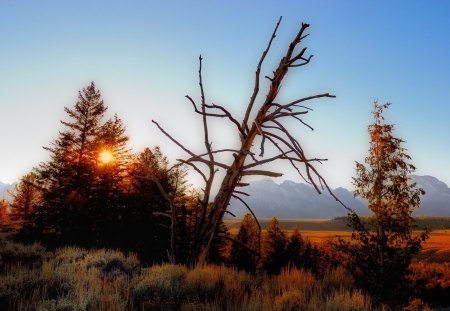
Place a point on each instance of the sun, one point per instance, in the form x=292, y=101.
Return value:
x=106, y=157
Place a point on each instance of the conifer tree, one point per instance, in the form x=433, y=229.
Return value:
x=244, y=253
x=26, y=196
x=274, y=248
x=383, y=248
x=148, y=206
x=301, y=253
x=4, y=213
x=69, y=179
x=113, y=158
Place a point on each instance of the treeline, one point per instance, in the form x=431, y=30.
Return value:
x=95, y=192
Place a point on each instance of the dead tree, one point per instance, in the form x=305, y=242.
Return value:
x=268, y=124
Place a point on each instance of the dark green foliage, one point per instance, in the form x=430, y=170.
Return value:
x=147, y=207
x=67, y=180
x=244, y=253
x=384, y=247
x=26, y=196
x=4, y=213
x=301, y=253
x=274, y=248
x=18, y=253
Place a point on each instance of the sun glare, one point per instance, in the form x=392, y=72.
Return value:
x=106, y=157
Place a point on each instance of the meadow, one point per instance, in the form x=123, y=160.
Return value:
x=435, y=249
x=73, y=278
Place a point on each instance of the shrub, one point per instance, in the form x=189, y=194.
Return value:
x=111, y=263
x=347, y=301
x=160, y=282
x=12, y=252
x=431, y=282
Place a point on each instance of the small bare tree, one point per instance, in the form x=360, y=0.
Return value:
x=267, y=123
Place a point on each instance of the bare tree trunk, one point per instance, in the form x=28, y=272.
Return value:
x=267, y=124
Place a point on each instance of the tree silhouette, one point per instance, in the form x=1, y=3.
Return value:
x=274, y=248
x=261, y=127
x=148, y=206
x=244, y=254
x=4, y=213
x=380, y=258
x=301, y=253
x=82, y=197
x=26, y=196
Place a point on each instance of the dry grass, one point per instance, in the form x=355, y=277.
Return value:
x=76, y=279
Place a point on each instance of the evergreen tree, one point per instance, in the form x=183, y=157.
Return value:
x=114, y=157
x=148, y=206
x=274, y=248
x=111, y=183
x=26, y=196
x=73, y=201
x=4, y=211
x=301, y=253
x=383, y=248
x=248, y=239
x=219, y=246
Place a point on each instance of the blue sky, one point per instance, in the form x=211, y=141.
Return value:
x=143, y=55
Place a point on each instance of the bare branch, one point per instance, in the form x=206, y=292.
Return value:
x=257, y=73
x=228, y=212
x=228, y=115
x=173, y=139
x=254, y=217
x=194, y=167
x=227, y=237
x=242, y=184
x=272, y=115
x=207, y=162
x=162, y=214
x=261, y=172
x=241, y=192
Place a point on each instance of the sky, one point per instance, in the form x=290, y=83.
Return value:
x=143, y=56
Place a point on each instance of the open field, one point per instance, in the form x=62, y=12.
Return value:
x=338, y=224
x=435, y=249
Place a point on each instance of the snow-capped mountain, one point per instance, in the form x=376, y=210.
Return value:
x=4, y=188
x=297, y=200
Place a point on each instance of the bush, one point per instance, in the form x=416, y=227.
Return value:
x=431, y=282
x=160, y=282
x=347, y=301
x=12, y=252
x=111, y=263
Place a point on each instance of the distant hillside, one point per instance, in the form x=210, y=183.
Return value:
x=290, y=200
x=4, y=190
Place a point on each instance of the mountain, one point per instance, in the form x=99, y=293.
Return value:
x=297, y=200
x=436, y=201
x=4, y=188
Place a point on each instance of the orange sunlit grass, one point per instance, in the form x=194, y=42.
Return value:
x=106, y=157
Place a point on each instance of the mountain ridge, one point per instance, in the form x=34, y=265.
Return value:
x=289, y=200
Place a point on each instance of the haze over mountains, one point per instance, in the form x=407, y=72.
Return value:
x=296, y=200
x=4, y=190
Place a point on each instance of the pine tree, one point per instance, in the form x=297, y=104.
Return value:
x=69, y=209
x=384, y=247
x=4, y=211
x=113, y=156
x=243, y=253
x=274, y=248
x=26, y=196
x=147, y=205
x=301, y=253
